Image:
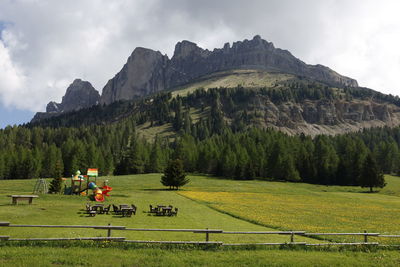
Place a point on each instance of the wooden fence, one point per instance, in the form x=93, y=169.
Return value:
x=207, y=232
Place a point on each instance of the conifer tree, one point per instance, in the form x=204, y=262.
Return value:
x=155, y=162
x=326, y=160
x=55, y=185
x=371, y=176
x=174, y=175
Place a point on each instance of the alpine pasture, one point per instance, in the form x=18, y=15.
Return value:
x=204, y=203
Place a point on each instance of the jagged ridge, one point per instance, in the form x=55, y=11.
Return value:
x=148, y=71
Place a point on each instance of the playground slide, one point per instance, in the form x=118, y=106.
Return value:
x=98, y=193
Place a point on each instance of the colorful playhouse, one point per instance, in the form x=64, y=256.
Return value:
x=80, y=185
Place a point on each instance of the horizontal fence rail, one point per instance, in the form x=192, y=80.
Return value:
x=206, y=231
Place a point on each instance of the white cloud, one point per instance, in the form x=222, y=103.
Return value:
x=11, y=78
x=46, y=44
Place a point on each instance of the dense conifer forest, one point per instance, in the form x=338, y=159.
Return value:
x=106, y=137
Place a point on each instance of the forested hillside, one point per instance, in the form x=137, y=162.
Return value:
x=221, y=131
x=297, y=106
x=213, y=148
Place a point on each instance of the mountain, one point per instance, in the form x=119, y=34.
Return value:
x=148, y=71
x=241, y=99
x=248, y=84
x=80, y=94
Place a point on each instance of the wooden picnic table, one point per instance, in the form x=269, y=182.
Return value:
x=98, y=207
x=15, y=198
x=122, y=206
x=126, y=211
x=164, y=210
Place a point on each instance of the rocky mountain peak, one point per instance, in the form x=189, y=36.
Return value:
x=186, y=49
x=142, y=74
x=148, y=71
x=80, y=94
x=53, y=107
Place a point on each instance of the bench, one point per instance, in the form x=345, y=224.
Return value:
x=16, y=198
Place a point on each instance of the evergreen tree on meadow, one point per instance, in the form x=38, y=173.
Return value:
x=174, y=175
x=371, y=176
x=56, y=185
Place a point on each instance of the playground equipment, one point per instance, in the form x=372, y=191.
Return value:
x=41, y=187
x=99, y=194
x=78, y=182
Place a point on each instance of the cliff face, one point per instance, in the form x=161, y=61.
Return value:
x=142, y=75
x=326, y=116
x=148, y=71
x=80, y=94
x=190, y=62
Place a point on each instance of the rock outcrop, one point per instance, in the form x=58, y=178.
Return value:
x=142, y=75
x=80, y=94
x=148, y=71
x=314, y=117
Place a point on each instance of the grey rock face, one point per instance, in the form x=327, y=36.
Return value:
x=80, y=94
x=143, y=74
x=148, y=71
x=53, y=107
x=326, y=116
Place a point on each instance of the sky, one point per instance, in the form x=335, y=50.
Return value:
x=45, y=45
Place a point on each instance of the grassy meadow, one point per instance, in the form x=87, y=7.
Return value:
x=312, y=208
x=77, y=256
x=205, y=203
x=233, y=78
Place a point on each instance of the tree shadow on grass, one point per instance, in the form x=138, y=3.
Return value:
x=120, y=195
x=369, y=192
x=19, y=204
x=156, y=189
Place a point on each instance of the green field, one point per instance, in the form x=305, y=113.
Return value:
x=76, y=256
x=313, y=208
x=206, y=203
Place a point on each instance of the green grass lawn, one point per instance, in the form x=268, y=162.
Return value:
x=77, y=256
x=205, y=203
x=141, y=190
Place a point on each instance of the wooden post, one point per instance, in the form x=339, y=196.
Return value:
x=207, y=235
x=109, y=231
x=365, y=237
x=291, y=237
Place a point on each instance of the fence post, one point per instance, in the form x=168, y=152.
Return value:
x=207, y=235
x=365, y=237
x=109, y=231
x=291, y=237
